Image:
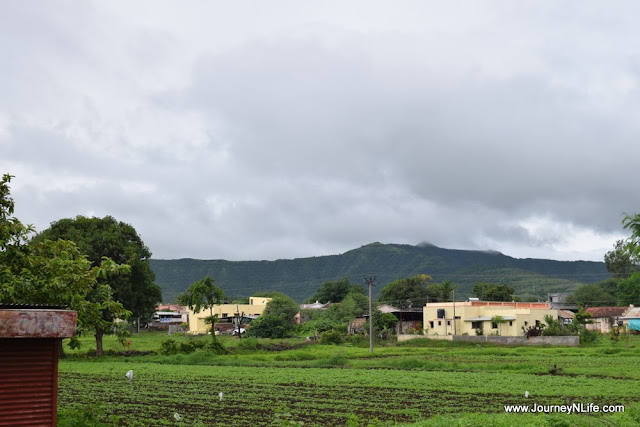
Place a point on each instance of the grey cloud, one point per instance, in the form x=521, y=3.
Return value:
x=222, y=135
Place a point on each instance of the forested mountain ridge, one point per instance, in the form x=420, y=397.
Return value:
x=300, y=277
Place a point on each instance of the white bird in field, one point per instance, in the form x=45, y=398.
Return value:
x=177, y=416
x=220, y=394
x=129, y=375
x=526, y=394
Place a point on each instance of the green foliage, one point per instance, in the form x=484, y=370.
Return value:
x=498, y=320
x=169, y=346
x=404, y=292
x=332, y=337
x=98, y=238
x=620, y=262
x=277, y=321
x=428, y=382
x=203, y=294
x=86, y=416
x=382, y=322
x=492, y=292
x=56, y=273
x=629, y=290
x=632, y=222
x=555, y=328
x=336, y=291
x=593, y=295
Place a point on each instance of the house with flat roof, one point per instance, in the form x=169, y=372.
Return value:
x=475, y=317
x=256, y=306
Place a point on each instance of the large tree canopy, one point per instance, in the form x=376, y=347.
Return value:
x=55, y=273
x=620, y=262
x=632, y=222
x=106, y=237
x=278, y=319
x=336, y=291
x=593, y=295
x=410, y=291
x=203, y=294
x=493, y=292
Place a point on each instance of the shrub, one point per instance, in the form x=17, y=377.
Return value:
x=331, y=337
x=169, y=346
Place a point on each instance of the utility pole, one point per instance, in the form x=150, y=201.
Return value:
x=370, y=282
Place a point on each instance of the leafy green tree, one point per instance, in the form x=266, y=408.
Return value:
x=106, y=237
x=629, y=290
x=202, y=295
x=434, y=292
x=592, y=295
x=336, y=291
x=55, y=273
x=632, y=223
x=447, y=290
x=620, y=262
x=278, y=319
x=492, y=292
x=498, y=320
x=404, y=292
x=353, y=305
x=384, y=323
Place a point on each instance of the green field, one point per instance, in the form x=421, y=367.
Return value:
x=420, y=382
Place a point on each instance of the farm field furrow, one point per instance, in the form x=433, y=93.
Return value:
x=331, y=396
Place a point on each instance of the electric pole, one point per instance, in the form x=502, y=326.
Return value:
x=370, y=282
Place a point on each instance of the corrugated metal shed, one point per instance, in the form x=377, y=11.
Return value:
x=29, y=346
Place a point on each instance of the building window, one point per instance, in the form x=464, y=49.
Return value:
x=510, y=322
x=448, y=322
x=476, y=325
x=494, y=325
x=526, y=323
x=431, y=324
x=225, y=314
x=439, y=322
x=537, y=323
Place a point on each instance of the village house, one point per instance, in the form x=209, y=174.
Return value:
x=604, y=318
x=471, y=317
x=409, y=319
x=170, y=314
x=303, y=315
x=631, y=319
x=256, y=306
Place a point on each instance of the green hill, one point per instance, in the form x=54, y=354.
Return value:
x=300, y=277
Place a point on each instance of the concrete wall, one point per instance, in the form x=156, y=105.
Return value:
x=567, y=341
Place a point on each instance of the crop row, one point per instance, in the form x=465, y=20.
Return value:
x=257, y=396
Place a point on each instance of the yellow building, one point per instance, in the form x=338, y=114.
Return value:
x=197, y=324
x=448, y=318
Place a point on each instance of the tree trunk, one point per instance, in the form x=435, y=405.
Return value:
x=99, y=333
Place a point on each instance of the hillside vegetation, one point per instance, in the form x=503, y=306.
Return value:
x=299, y=278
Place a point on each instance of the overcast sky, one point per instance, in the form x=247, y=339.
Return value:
x=284, y=129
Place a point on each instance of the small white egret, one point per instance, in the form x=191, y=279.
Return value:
x=177, y=416
x=526, y=394
x=129, y=375
x=220, y=394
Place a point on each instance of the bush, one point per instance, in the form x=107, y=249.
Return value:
x=587, y=336
x=168, y=347
x=331, y=337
